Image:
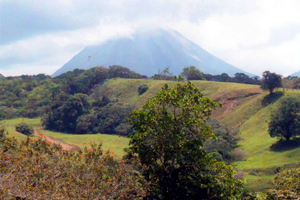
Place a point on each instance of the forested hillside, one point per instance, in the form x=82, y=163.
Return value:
x=100, y=99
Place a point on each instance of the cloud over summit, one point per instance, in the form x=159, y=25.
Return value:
x=249, y=34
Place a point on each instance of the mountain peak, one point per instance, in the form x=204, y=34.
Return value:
x=148, y=51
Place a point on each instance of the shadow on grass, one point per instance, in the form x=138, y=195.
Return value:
x=284, y=145
x=271, y=98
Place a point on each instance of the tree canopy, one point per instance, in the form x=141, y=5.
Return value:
x=270, y=81
x=168, y=135
x=192, y=73
x=285, y=119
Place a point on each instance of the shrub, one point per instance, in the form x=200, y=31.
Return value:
x=239, y=154
x=142, y=89
x=287, y=186
x=24, y=128
x=36, y=169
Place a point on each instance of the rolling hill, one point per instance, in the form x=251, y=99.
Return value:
x=245, y=107
x=148, y=51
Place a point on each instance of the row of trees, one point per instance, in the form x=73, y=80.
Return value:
x=193, y=73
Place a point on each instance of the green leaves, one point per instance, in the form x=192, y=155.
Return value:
x=270, y=81
x=168, y=135
x=285, y=120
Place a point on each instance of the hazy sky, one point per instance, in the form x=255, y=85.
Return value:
x=254, y=35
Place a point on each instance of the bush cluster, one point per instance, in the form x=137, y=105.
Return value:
x=287, y=186
x=36, y=169
x=24, y=128
x=142, y=89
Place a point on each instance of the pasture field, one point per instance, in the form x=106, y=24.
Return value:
x=113, y=143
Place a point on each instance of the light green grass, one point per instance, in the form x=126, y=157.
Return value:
x=259, y=183
x=113, y=143
x=10, y=124
x=257, y=142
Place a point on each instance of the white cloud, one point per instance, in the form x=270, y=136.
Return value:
x=238, y=32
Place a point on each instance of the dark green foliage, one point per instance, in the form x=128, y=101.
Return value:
x=192, y=73
x=58, y=99
x=84, y=82
x=122, y=72
x=86, y=123
x=169, y=133
x=112, y=119
x=2, y=132
x=225, y=143
x=142, y=89
x=243, y=78
x=64, y=112
x=285, y=120
x=270, y=81
x=24, y=128
x=238, y=78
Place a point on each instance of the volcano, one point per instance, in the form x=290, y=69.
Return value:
x=149, y=51
x=296, y=74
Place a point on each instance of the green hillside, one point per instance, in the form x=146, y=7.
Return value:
x=265, y=155
x=245, y=107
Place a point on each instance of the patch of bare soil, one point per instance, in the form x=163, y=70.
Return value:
x=229, y=105
x=64, y=145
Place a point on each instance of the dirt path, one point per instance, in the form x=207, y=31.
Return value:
x=64, y=145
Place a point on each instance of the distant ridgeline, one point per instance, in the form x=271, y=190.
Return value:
x=1, y=76
x=78, y=102
x=296, y=74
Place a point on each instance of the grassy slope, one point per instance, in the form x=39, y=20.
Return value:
x=113, y=143
x=262, y=159
x=10, y=126
x=245, y=107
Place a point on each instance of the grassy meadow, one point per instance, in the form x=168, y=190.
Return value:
x=113, y=143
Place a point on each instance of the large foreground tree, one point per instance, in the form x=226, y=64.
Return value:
x=285, y=119
x=168, y=136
